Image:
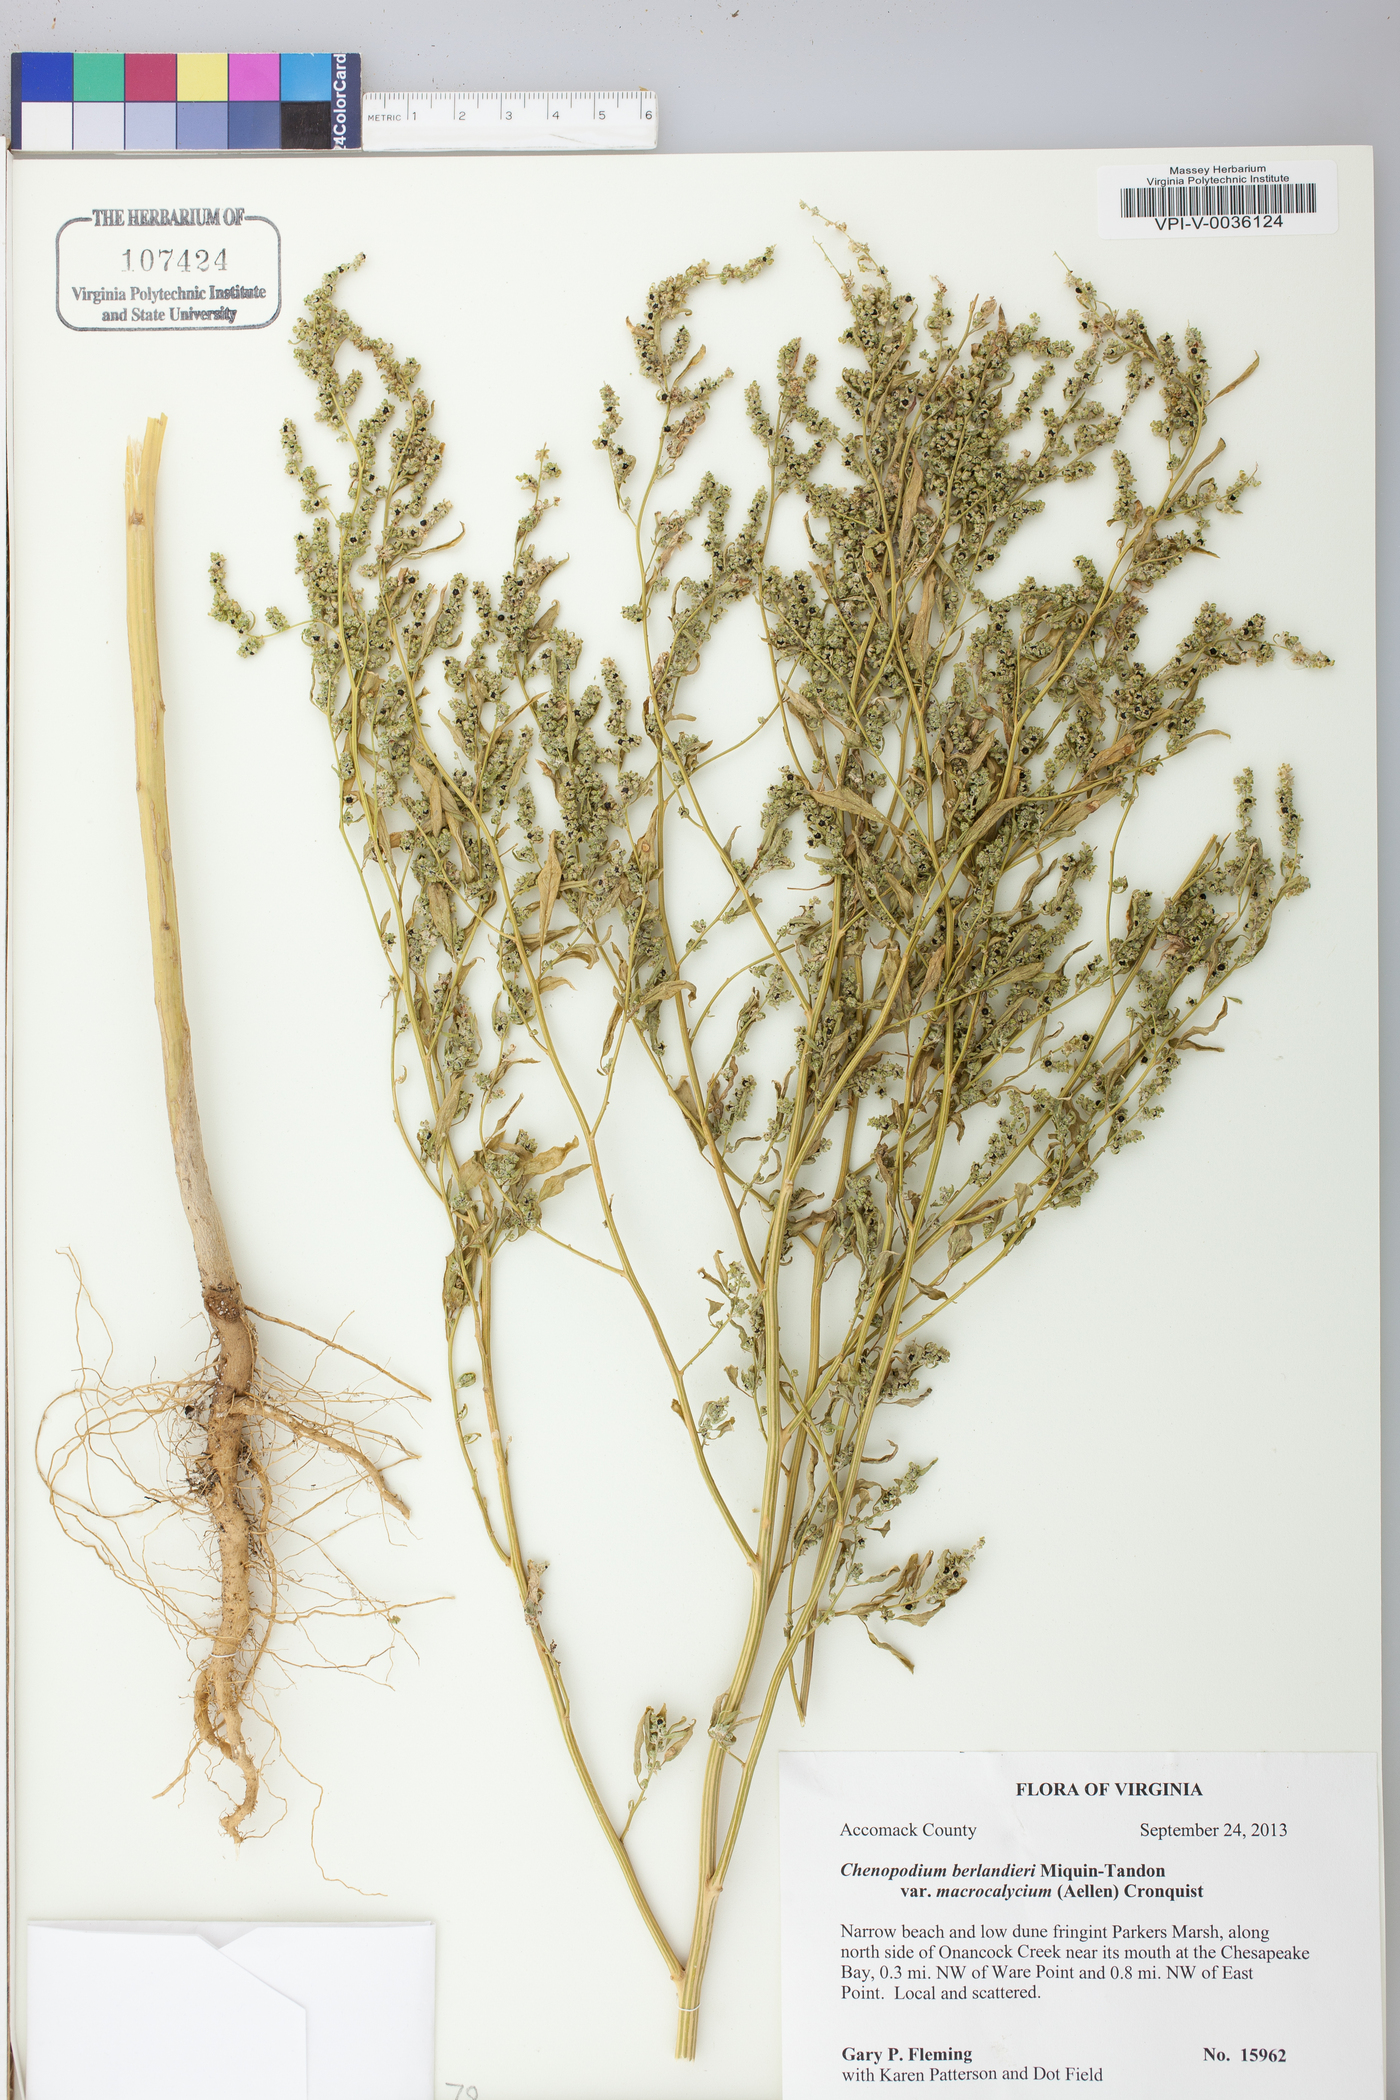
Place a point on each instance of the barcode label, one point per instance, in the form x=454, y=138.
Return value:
x=1214, y=198
x=1217, y=196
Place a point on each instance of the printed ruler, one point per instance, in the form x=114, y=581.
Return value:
x=613, y=120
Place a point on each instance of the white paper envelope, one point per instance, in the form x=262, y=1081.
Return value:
x=284, y=2012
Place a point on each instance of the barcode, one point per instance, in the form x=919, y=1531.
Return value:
x=1217, y=200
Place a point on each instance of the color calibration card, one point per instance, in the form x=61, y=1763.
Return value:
x=191, y=101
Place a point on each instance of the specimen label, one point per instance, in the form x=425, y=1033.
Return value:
x=170, y=264
x=1149, y=1924
x=1200, y=195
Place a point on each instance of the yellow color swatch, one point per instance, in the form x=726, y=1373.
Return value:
x=203, y=76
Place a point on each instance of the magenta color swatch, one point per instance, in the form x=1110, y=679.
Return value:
x=150, y=76
x=254, y=76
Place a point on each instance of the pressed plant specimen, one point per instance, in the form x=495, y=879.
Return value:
x=953, y=1048
x=217, y=1455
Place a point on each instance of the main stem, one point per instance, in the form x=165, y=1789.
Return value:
x=217, y=1687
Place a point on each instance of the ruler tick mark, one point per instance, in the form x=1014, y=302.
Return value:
x=616, y=120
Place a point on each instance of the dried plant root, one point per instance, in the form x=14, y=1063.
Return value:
x=237, y=1435
x=130, y=1477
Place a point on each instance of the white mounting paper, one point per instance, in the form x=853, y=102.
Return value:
x=1152, y=1414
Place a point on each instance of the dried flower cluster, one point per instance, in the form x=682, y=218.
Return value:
x=954, y=1048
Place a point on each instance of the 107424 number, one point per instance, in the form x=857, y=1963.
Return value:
x=188, y=259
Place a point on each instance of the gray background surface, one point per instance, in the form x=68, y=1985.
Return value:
x=783, y=75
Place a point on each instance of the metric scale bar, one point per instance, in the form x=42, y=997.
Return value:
x=568, y=121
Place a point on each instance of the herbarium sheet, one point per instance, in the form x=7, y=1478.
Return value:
x=686, y=718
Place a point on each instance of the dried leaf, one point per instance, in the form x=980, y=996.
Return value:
x=653, y=992
x=1111, y=754
x=531, y=941
x=676, y=1739
x=545, y=1162
x=695, y=1122
x=447, y=1113
x=428, y=781
x=551, y=874
x=913, y=490
x=846, y=799
x=556, y=1181
x=923, y=619
x=440, y=906
x=932, y=973
x=992, y=814
x=1248, y=373
x=889, y=1647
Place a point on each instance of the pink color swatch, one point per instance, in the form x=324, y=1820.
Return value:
x=254, y=76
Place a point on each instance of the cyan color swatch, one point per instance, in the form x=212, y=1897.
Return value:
x=306, y=76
